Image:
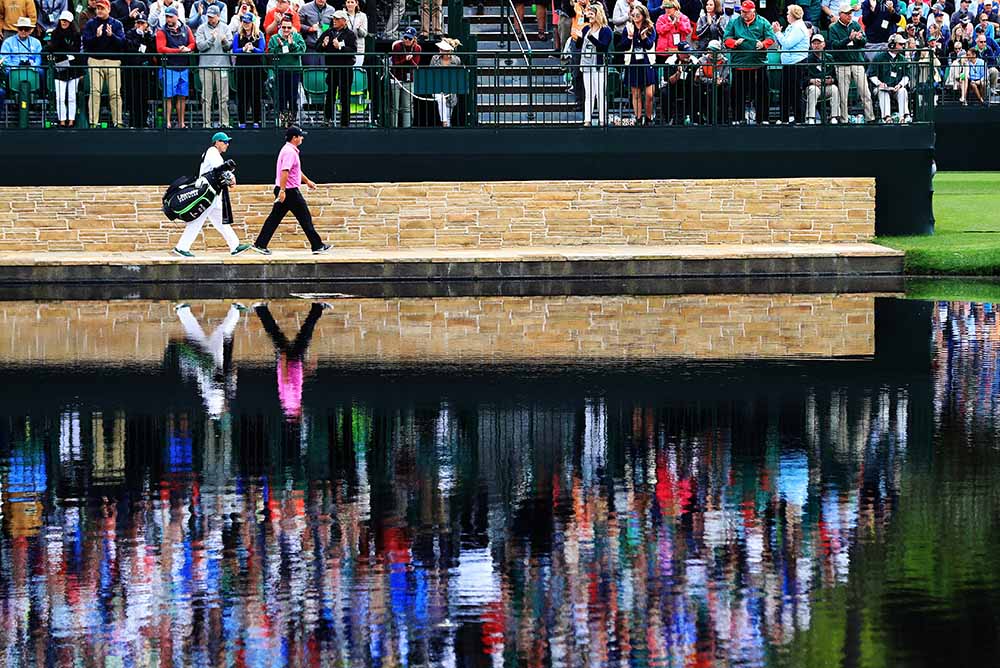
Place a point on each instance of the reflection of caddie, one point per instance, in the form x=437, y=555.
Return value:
x=214, y=213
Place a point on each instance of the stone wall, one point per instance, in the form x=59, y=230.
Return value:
x=457, y=329
x=485, y=215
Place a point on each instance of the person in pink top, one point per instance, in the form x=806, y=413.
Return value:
x=290, y=354
x=288, y=180
x=672, y=28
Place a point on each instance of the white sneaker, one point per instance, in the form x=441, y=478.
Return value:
x=834, y=121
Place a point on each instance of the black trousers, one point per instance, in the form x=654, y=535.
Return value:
x=137, y=83
x=249, y=91
x=296, y=203
x=295, y=350
x=750, y=86
x=339, y=78
x=791, y=92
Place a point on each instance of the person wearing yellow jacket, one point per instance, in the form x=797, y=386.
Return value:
x=11, y=11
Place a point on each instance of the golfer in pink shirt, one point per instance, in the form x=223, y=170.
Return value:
x=288, y=180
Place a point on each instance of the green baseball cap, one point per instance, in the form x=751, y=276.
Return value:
x=221, y=136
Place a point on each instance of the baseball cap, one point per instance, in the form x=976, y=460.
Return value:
x=221, y=136
x=213, y=10
x=896, y=37
x=66, y=16
x=410, y=32
x=845, y=8
x=340, y=14
x=683, y=47
x=715, y=45
x=294, y=131
x=141, y=18
x=818, y=37
x=170, y=11
x=103, y=2
x=747, y=5
x=247, y=18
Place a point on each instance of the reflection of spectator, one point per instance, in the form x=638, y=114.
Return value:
x=289, y=357
x=211, y=365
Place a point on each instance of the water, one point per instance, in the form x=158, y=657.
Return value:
x=774, y=480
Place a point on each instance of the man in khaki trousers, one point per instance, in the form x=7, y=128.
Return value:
x=104, y=37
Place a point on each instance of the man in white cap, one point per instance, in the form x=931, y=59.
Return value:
x=889, y=73
x=819, y=76
x=22, y=50
x=847, y=39
x=340, y=45
x=215, y=41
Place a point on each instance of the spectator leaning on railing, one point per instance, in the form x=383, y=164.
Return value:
x=405, y=57
x=214, y=41
x=749, y=37
x=106, y=36
x=849, y=41
x=176, y=41
x=446, y=102
x=11, y=11
x=139, y=74
x=64, y=45
x=820, y=80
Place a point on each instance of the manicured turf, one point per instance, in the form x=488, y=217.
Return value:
x=966, y=239
x=946, y=289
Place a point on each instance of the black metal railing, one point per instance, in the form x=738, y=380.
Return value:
x=474, y=89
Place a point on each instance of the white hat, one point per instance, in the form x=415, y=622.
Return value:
x=845, y=8
x=444, y=46
x=340, y=14
x=66, y=16
x=714, y=45
x=818, y=37
x=24, y=22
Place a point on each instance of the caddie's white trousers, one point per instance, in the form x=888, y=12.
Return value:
x=212, y=215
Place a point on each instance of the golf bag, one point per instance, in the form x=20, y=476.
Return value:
x=188, y=198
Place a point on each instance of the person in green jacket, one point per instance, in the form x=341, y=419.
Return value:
x=287, y=47
x=749, y=37
x=890, y=73
x=847, y=41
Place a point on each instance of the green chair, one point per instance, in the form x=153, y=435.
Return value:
x=314, y=82
x=360, y=101
x=24, y=84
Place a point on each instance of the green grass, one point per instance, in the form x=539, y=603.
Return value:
x=966, y=239
x=946, y=289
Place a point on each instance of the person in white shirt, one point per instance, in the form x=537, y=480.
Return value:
x=357, y=21
x=156, y=17
x=214, y=213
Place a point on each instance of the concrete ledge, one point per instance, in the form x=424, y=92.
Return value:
x=549, y=263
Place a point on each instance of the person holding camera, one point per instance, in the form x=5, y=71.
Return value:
x=218, y=214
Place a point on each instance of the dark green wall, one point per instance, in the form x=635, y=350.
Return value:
x=899, y=157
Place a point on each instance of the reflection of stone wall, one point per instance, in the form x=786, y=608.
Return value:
x=465, y=215
x=460, y=328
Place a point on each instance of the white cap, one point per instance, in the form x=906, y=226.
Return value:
x=66, y=16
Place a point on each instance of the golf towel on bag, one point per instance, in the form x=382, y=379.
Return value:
x=188, y=198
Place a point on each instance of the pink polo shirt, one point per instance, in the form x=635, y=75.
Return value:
x=288, y=159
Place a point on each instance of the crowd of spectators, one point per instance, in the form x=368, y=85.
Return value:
x=690, y=61
x=169, y=36
x=712, y=61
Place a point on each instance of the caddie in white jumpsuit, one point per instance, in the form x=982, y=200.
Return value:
x=213, y=158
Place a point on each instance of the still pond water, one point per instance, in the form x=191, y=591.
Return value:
x=787, y=480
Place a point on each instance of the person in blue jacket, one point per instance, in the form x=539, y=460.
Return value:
x=593, y=45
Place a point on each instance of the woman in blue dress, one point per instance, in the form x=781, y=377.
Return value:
x=638, y=39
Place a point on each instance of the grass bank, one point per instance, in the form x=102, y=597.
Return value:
x=966, y=239
x=947, y=289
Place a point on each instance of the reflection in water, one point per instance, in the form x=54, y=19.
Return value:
x=588, y=525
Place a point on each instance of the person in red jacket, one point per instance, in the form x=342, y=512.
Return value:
x=177, y=41
x=272, y=20
x=672, y=28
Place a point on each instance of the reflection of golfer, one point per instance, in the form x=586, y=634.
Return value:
x=211, y=365
x=290, y=354
x=288, y=196
x=220, y=213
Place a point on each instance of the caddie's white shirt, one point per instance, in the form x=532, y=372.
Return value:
x=212, y=160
